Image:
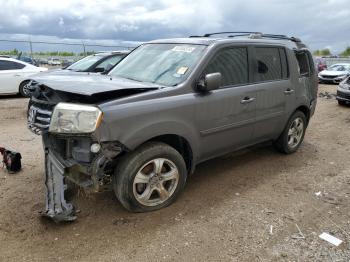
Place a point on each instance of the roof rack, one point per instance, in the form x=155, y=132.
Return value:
x=254, y=35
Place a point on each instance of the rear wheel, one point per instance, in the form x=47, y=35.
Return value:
x=24, y=89
x=149, y=178
x=293, y=134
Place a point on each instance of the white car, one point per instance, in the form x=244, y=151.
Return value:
x=14, y=76
x=334, y=74
x=54, y=62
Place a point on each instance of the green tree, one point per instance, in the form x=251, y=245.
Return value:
x=346, y=52
x=322, y=52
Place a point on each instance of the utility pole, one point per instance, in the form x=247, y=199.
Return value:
x=83, y=47
x=31, y=47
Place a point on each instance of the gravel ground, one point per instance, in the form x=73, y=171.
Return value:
x=246, y=206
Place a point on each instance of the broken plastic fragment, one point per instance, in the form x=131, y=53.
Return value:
x=331, y=239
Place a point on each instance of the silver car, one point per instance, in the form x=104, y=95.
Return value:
x=343, y=92
x=335, y=73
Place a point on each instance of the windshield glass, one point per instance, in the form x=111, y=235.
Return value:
x=165, y=64
x=338, y=68
x=85, y=63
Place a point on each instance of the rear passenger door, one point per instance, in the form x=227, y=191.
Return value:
x=275, y=93
x=226, y=116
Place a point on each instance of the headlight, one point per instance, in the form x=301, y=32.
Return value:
x=344, y=85
x=74, y=118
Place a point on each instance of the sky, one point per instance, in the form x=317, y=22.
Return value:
x=320, y=24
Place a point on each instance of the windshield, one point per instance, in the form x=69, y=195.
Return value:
x=338, y=68
x=85, y=63
x=165, y=64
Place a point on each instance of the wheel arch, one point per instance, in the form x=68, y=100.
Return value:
x=305, y=110
x=180, y=144
x=23, y=81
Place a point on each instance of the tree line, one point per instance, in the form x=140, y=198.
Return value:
x=16, y=52
x=327, y=52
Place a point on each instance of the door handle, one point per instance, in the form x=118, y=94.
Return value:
x=289, y=91
x=247, y=100
x=16, y=75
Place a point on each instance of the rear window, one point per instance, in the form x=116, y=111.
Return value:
x=271, y=64
x=10, y=65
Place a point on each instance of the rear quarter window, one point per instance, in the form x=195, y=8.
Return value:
x=10, y=65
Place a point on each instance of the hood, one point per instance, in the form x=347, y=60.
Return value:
x=88, y=85
x=333, y=73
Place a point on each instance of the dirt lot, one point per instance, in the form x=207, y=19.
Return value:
x=241, y=207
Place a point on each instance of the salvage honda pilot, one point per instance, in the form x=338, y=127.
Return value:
x=169, y=105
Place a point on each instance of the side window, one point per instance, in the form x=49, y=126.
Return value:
x=269, y=64
x=10, y=65
x=232, y=63
x=109, y=62
x=303, y=62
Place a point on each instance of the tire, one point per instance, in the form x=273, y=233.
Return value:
x=170, y=176
x=283, y=143
x=341, y=103
x=22, y=89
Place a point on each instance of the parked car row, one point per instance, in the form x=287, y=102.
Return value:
x=338, y=74
x=15, y=74
x=334, y=74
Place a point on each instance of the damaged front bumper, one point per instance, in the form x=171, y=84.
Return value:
x=56, y=206
x=68, y=158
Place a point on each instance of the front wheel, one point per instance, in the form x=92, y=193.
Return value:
x=24, y=89
x=149, y=178
x=293, y=134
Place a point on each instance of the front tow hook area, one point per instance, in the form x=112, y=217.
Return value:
x=57, y=208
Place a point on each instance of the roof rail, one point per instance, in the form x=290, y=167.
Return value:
x=254, y=35
x=222, y=33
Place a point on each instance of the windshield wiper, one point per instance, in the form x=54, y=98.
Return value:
x=129, y=78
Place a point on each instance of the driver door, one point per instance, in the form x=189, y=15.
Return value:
x=226, y=116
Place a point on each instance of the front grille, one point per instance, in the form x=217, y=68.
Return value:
x=39, y=116
x=343, y=95
x=329, y=77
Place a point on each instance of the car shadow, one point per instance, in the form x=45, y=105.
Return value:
x=11, y=96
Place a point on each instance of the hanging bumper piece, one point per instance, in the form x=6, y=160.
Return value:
x=56, y=206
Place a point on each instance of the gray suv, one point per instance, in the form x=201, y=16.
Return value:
x=169, y=105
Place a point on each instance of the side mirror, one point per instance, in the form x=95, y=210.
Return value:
x=99, y=70
x=210, y=82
